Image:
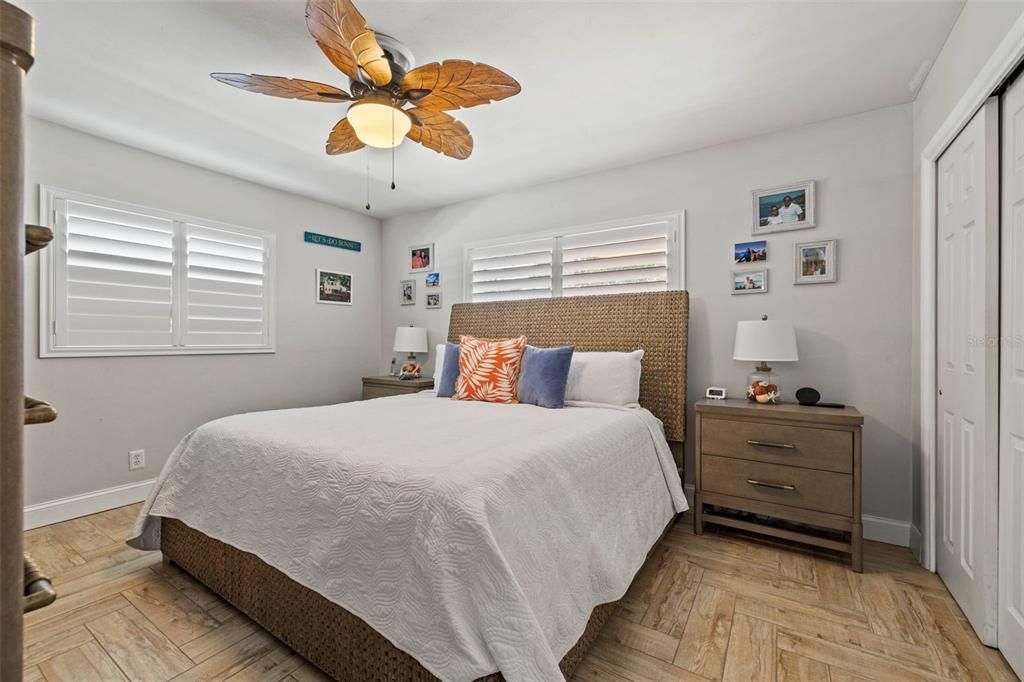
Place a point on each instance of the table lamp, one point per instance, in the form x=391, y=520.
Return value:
x=410, y=340
x=762, y=341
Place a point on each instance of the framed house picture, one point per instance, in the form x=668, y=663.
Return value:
x=814, y=262
x=433, y=279
x=780, y=209
x=421, y=258
x=407, y=292
x=750, y=282
x=333, y=287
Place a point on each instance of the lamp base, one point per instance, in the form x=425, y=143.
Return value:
x=763, y=386
x=411, y=368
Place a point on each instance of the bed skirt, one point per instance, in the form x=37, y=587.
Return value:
x=335, y=640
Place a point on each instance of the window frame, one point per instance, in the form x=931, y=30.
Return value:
x=676, y=254
x=48, y=286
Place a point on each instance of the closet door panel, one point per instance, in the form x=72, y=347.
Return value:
x=1011, y=422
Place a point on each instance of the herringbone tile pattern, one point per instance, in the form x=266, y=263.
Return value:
x=716, y=606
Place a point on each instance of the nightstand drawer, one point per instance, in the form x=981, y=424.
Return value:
x=800, y=446
x=792, y=486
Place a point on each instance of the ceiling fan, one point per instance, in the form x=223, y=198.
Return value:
x=383, y=84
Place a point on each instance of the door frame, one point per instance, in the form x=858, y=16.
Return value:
x=999, y=67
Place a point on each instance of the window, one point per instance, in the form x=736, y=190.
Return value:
x=643, y=254
x=128, y=280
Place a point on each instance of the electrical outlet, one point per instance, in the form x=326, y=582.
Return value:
x=136, y=460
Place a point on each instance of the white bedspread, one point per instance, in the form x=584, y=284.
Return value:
x=476, y=537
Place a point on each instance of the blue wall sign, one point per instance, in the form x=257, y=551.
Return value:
x=336, y=242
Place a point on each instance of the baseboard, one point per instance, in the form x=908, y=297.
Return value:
x=890, y=531
x=55, y=511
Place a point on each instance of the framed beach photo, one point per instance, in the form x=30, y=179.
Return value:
x=433, y=279
x=750, y=252
x=433, y=300
x=814, y=262
x=333, y=287
x=407, y=292
x=750, y=282
x=780, y=209
x=421, y=258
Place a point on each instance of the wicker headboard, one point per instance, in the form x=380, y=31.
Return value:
x=654, y=321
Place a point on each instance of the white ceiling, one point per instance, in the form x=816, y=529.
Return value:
x=605, y=84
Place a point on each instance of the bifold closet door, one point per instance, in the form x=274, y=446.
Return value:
x=967, y=316
x=1011, y=384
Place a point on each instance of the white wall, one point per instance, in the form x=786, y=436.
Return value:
x=109, y=406
x=854, y=336
x=979, y=29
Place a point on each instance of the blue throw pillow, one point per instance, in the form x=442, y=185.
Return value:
x=544, y=375
x=449, y=371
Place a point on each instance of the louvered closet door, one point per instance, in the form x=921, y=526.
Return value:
x=226, y=301
x=624, y=260
x=967, y=317
x=1011, y=406
x=119, y=269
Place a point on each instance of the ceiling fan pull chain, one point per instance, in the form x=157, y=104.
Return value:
x=367, y=182
x=393, y=152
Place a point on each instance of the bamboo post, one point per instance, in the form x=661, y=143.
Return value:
x=16, y=35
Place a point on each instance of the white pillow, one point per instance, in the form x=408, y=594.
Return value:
x=612, y=378
x=438, y=363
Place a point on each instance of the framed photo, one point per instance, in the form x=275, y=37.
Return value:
x=750, y=282
x=407, y=292
x=433, y=279
x=780, y=209
x=421, y=258
x=814, y=262
x=333, y=287
x=750, y=252
x=433, y=300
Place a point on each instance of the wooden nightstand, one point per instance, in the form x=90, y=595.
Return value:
x=799, y=465
x=381, y=387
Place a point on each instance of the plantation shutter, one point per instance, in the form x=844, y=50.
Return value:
x=225, y=300
x=512, y=271
x=115, y=278
x=620, y=260
x=127, y=280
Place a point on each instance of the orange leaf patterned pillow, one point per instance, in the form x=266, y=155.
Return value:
x=489, y=369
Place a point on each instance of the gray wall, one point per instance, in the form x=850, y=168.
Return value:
x=109, y=406
x=976, y=34
x=854, y=336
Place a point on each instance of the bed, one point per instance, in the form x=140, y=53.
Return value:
x=417, y=538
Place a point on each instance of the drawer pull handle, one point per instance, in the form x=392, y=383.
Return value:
x=766, y=444
x=764, y=484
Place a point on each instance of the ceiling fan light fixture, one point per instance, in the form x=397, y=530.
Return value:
x=379, y=125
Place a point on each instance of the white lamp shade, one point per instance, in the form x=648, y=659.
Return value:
x=411, y=339
x=758, y=340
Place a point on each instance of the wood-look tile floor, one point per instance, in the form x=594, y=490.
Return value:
x=716, y=606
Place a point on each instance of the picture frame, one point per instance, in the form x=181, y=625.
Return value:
x=433, y=279
x=779, y=209
x=814, y=262
x=750, y=281
x=332, y=287
x=407, y=292
x=750, y=252
x=434, y=300
x=420, y=257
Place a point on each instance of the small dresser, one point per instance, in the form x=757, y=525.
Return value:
x=382, y=387
x=799, y=465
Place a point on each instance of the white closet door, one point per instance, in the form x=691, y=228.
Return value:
x=968, y=322
x=1011, y=422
